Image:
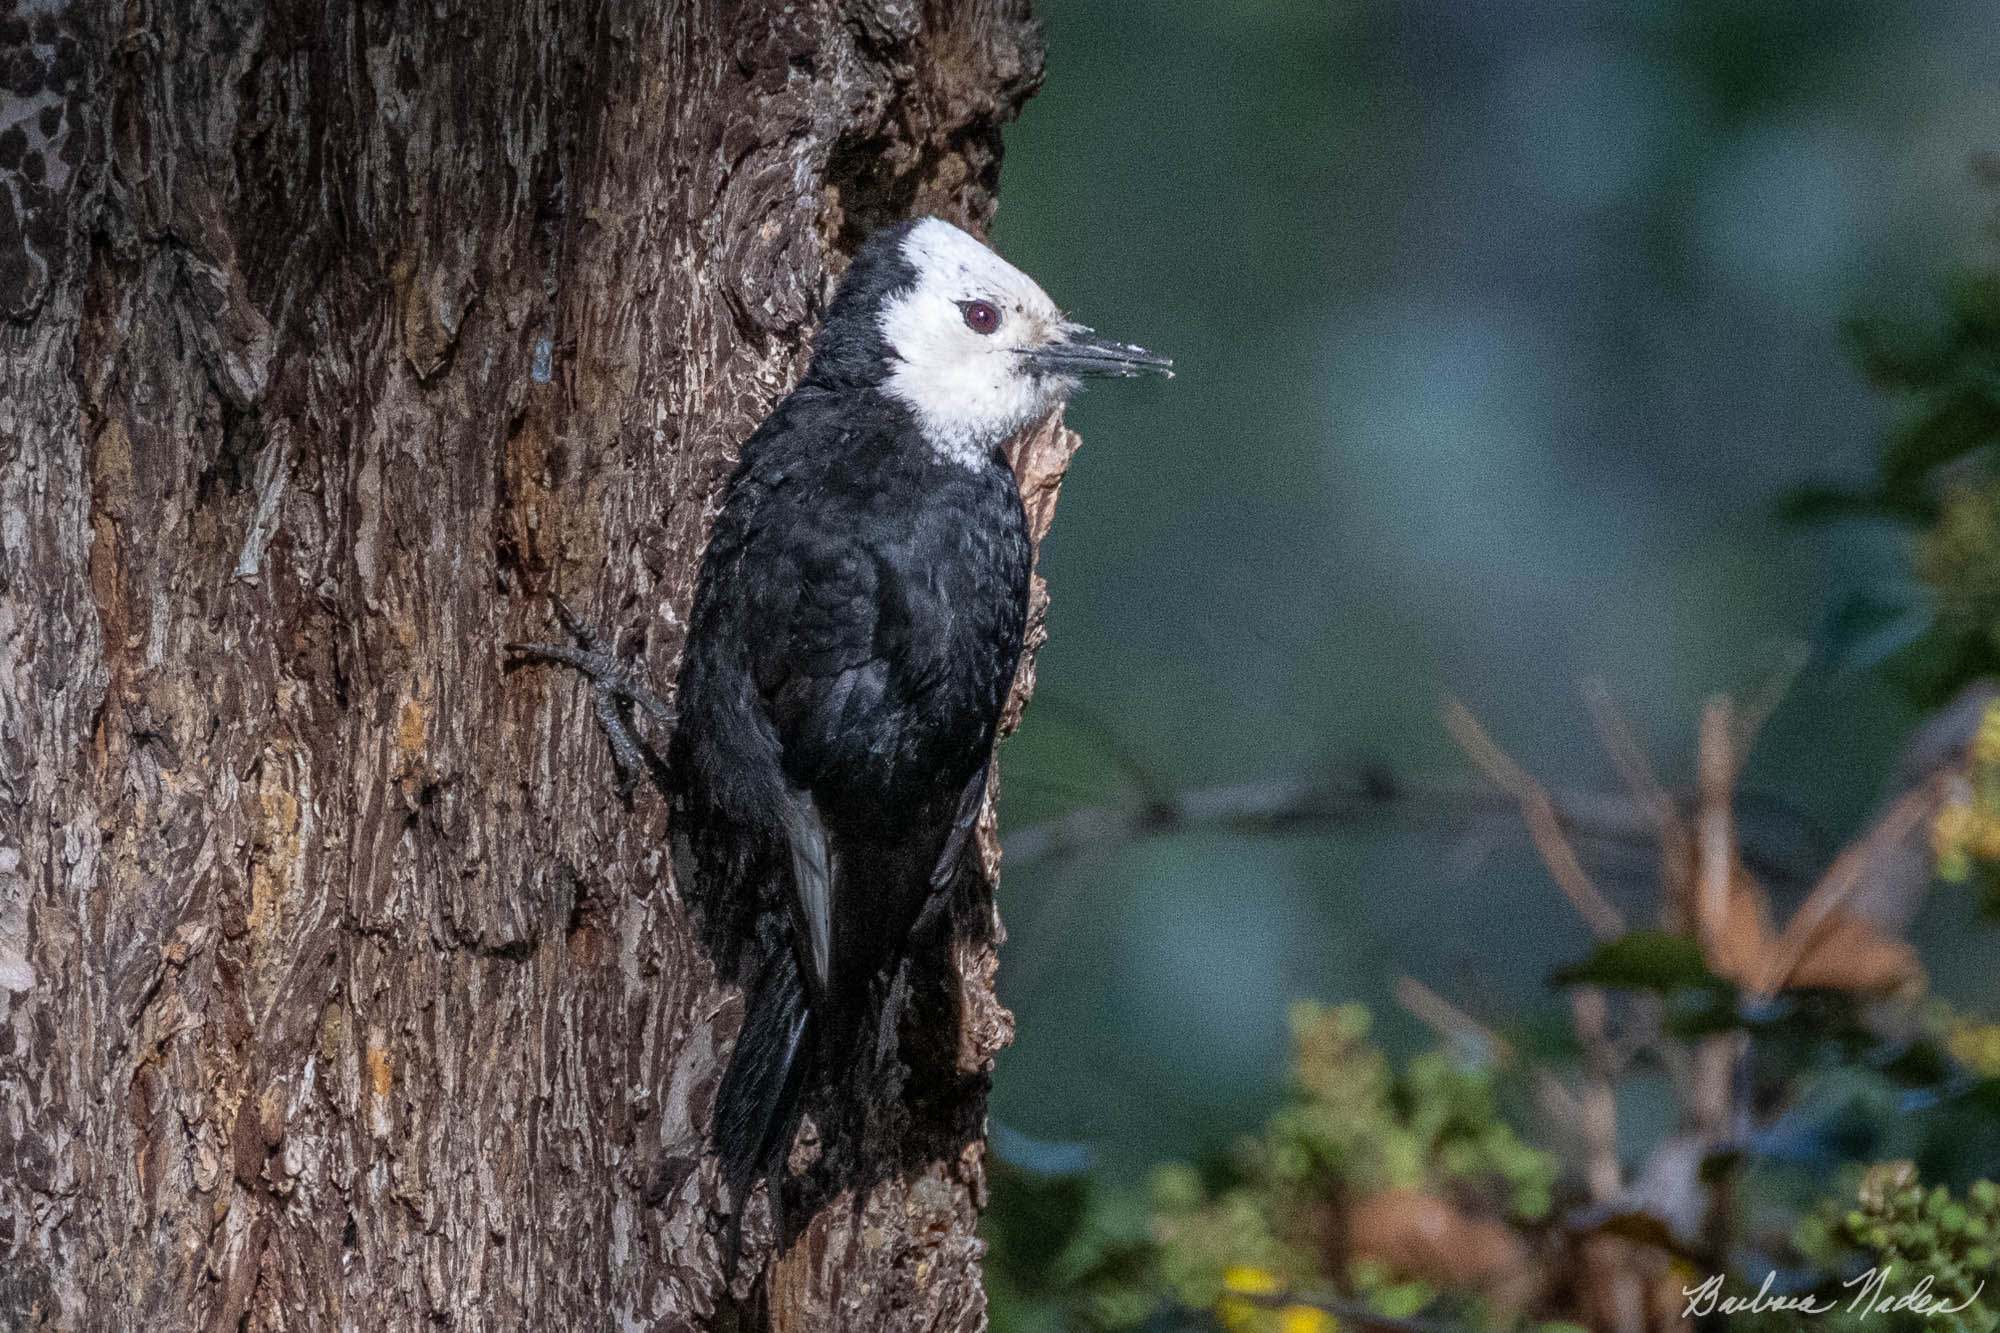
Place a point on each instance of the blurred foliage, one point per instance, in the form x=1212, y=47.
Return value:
x=1420, y=1197
x=1966, y=832
x=1906, y=1257
x=1501, y=326
x=1410, y=1198
x=1930, y=1237
x=1495, y=320
x=1937, y=476
x=1974, y=1043
x=1401, y=1191
x=1391, y=1186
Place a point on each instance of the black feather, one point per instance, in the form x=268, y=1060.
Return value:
x=849, y=351
x=757, y=1108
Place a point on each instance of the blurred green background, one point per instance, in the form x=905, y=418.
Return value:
x=1501, y=327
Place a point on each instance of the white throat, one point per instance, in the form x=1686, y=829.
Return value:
x=965, y=417
x=968, y=391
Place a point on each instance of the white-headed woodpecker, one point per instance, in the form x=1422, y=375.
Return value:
x=856, y=625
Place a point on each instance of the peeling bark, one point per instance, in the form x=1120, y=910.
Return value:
x=336, y=988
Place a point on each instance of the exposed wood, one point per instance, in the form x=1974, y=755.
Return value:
x=336, y=987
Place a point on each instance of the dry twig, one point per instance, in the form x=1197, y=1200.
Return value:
x=1539, y=812
x=1640, y=778
x=1752, y=716
x=1715, y=824
x=1451, y=1022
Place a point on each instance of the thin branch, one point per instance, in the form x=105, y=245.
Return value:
x=1628, y=756
x=1539, y=813
x=1451, y=1022
x=1123, y=757
x=1590, y=1012
x=1715, y=824
x=1560, y=1102
x=1266, y=808
x=1603, y=1176
x=1273, y=808
x=1750, y=719
x=1712, y=1083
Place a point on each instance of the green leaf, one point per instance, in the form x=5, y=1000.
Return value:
x=1704, y=1011
x=1902, y=355
x=1982, y=1095
x=1642, y=960
x=1962, y=421
x=1868, y=626
x=1923, y=1063
x=1828, y=504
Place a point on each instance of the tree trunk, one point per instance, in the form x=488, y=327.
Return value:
x=337, y=987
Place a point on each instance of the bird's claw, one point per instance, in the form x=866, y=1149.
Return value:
x=615, y=690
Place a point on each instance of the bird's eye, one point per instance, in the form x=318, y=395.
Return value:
x=980, y=316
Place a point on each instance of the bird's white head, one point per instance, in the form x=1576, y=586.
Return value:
x=976, y=349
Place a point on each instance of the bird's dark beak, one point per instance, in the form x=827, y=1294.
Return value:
x=1081, y=352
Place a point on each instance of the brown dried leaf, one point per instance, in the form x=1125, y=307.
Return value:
x=1852, y=954
x=1741, y=948
x=1846, y=953
x=1421, y=1235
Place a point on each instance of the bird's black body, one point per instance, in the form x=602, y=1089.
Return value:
x=856, y=625
x=856, y=622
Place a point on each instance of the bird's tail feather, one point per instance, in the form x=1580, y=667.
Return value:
x=758, y=1107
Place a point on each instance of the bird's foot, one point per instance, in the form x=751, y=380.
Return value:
x=615, y=691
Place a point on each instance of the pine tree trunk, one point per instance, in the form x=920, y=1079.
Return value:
x=337, y=987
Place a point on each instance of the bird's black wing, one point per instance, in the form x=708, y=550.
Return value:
x=825, y=673
x=831, y=694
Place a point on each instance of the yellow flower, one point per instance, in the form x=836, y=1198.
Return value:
x=1975, y=1045
x=1239, y=1316
x=1951, y=830
x=1986, y=742
x=1250, y=1281
x=1305, y=1319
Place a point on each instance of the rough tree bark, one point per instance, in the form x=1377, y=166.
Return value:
x=336, y=987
